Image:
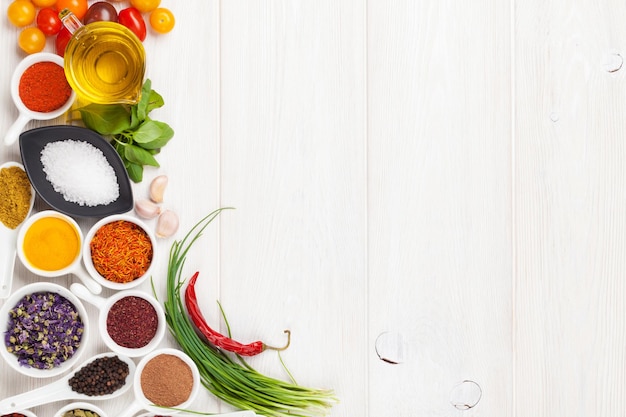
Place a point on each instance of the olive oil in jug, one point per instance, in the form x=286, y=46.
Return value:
x=104, y=61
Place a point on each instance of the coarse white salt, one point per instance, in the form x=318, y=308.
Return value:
x=80, y=172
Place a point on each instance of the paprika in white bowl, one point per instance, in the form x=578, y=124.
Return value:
x=39, y=90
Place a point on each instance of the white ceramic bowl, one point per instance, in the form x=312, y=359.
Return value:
x=87, y=260
x=146, y=404
x=75, y=267
x=80, y=405
x=25, y=114
x=12, y=301
x=105, y=304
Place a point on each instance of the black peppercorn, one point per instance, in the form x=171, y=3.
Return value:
x=103, y=376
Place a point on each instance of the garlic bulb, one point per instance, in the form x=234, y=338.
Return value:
x=167, y=224
x=146, y=209
x=157, y=188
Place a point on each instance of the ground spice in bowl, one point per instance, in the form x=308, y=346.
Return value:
x=166, y=380
x=121, y=251
x=15, y=195
x=132, y=322
x=43, y=87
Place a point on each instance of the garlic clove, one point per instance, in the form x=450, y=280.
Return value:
x=147, y=209
x=167, y=224
x=157, y=188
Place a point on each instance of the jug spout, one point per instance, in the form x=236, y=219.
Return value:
x=70, y=21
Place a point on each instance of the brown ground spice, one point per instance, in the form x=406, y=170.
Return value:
x=166, y=380
x=15, y=194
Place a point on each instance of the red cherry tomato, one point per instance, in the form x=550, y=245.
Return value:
x=48, y=21
x=63, y=37
x=132, y=19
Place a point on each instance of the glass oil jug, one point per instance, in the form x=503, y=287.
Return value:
x=104, y=62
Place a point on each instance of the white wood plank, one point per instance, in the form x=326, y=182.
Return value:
x=569, y=204
x=439, y=215
x=293, y=164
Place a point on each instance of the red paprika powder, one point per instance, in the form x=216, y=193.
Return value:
x=43, y=87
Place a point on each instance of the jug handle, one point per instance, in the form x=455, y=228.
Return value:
x=69, y=20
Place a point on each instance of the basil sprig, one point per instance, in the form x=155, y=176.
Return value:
x=136, y=137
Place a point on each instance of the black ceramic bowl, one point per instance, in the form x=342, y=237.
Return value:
x=33, y=141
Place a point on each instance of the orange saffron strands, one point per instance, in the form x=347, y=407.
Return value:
x=121, y=251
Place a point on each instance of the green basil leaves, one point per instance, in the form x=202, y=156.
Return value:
x=136, y=137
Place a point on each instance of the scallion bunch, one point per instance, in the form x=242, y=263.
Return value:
x=230, y=378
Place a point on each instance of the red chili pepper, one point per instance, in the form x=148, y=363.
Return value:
x=217, y=339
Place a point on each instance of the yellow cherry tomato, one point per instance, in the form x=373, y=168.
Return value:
x=162, y=20
x=78, y=7
x=145, y=6
x=21, y=13
x=44, y=3
x=31, y=40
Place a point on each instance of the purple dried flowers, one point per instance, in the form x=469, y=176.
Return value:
x=44, y=330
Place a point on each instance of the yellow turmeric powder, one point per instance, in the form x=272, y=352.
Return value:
x=15, y=195
x=51, y=244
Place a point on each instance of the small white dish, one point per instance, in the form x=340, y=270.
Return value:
x=25, y=114
x=142, y=403
x=12, y=301
x=80, y=405
x=75, y=268
x=88, y=261
x=8, y=237
x=61, y=390
x=105, y=304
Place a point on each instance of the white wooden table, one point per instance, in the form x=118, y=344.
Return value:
x=447, y=174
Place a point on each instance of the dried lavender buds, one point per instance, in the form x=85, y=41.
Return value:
x=102, y=376
x=44, y=330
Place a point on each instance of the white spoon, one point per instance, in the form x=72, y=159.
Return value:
x=8, y=242
x=60, y=390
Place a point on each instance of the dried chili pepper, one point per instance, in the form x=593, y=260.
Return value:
x=219, y=340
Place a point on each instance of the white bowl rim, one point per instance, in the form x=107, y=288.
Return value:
x=141, y=398
x=89, y=263
x=22, y=66
x=10, y=302
x=132, y=352
x=80, y=405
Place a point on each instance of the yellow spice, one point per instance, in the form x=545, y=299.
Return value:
x=51, y=244
x=15, y=194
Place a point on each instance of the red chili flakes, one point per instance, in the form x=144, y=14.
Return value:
x=43, y=87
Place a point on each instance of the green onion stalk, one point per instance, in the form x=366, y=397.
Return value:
x=228, y=376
